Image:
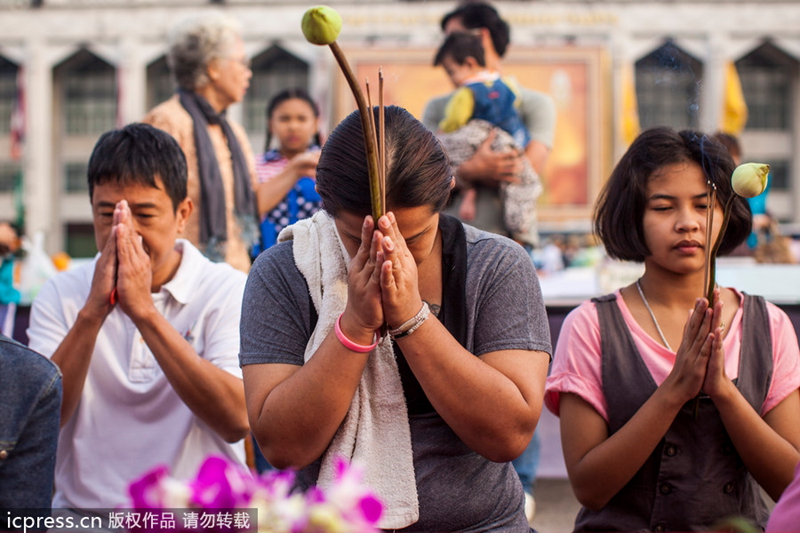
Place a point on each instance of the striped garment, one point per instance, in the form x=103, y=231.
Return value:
x=301, y=202
x=269, y=165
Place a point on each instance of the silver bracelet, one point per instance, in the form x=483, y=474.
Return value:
x=413, y=323
x=413, y=328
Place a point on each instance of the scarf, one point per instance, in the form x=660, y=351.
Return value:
x=213, y=220
x=375, y=432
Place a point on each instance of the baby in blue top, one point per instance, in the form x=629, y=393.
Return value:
x=484, y=102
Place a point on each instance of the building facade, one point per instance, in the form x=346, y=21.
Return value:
x=83, y=67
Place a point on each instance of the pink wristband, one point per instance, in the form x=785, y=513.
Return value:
x=350, y=345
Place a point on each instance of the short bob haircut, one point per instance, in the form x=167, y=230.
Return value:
x=138, y=154
x=618, y=217
x=458, y=46
x=197, y=41
x=418, y=172
x=476, y=15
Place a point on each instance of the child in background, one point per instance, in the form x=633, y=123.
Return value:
x=286, y=174
x=286, y=191
x=483, y=103
x=668, y=423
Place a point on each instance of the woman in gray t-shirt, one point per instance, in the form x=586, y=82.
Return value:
x=437, y=405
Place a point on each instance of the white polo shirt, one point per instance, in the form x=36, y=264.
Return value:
x=129, y=419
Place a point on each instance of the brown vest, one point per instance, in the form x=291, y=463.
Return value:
x=694, y=477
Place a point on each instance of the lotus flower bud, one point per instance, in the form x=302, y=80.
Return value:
x=750, y=179
x=321, y=25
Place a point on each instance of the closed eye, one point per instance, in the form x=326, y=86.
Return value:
x=353, y=238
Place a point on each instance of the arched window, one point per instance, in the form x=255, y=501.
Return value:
x=769, y=82
x=88, y=87
x=160, y=86
x=85, y=89
x=9, y=169
x=668, y=88
x=8, y=93
x=767, y=74
x=273, y=70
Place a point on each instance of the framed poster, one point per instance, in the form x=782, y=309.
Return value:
x=577, y=78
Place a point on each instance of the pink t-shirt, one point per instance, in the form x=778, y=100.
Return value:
x=577, y=360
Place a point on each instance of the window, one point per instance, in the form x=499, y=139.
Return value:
x=90, y=95
x=159, y=82
x=8, y=94
x=8, y=176
x=273, y=71
x=80, y=240
x=767, y=75
x=668, y=88
x=779, y=175
x=75, y=179
x=769, y=82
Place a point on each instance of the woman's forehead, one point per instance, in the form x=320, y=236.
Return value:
x=683, y=175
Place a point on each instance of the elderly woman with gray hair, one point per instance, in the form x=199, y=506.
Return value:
x=212, y=71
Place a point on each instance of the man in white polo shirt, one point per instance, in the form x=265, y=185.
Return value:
x=146, y=336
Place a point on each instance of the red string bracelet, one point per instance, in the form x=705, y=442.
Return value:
x=350, y=345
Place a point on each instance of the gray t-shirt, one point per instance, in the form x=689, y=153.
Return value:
x=458, y=489
x=538, y=112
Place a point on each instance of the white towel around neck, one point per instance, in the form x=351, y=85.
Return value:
x=375, y=432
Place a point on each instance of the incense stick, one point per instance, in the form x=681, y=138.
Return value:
x=709, y=244
x=374, y=141
x=382, y=131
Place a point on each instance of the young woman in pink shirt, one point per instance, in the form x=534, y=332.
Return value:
x=673, y=411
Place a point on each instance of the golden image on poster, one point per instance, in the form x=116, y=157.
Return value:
x=576, y=78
